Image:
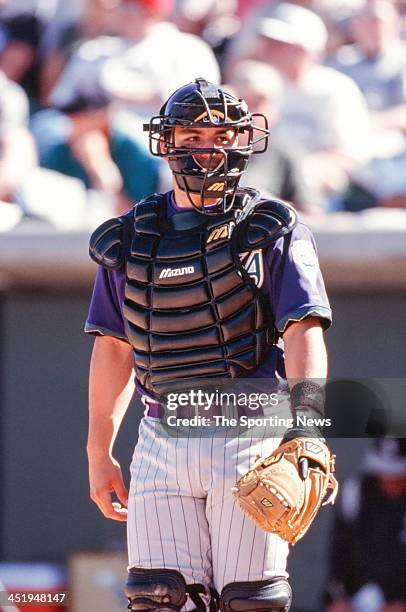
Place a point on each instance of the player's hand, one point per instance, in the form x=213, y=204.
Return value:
x=105, y=479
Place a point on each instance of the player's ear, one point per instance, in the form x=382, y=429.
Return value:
x=163, y=146
x=165, y=140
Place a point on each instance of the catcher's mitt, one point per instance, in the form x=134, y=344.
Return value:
x=283, y=492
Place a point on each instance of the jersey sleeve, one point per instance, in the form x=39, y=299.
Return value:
x=105, y=316
x=297, y=285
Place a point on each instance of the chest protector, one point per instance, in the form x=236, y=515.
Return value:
x=191, y=309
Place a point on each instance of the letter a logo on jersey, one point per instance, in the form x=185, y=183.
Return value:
x=253, y=262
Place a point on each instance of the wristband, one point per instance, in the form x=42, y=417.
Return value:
x=306, y=400
x=307, y=397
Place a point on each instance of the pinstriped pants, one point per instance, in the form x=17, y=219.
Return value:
x=181, y=513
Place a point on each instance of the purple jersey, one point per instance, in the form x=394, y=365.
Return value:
x=287, y=273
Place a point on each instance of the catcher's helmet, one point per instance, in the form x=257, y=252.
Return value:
x=203, y=105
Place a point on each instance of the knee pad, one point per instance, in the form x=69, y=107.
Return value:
x=163, y=590
x=155, y=589
x=273, y=595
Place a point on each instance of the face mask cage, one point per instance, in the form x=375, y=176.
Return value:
x=219, y=176
x=162, y=134
x=216, y=189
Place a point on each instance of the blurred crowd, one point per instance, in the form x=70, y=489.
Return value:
x=79, y=77
x=368, y=546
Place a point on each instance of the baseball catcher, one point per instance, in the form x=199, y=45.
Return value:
x=208, y=281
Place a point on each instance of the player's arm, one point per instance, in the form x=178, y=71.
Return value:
x=111, y=387
x=302, y=313
x=306, y=371
x=305, y=351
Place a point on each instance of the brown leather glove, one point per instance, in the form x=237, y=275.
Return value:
x=282, y=493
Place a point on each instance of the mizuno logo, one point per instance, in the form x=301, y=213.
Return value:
x=224, y=231
x=216, y=187
x=169, y=272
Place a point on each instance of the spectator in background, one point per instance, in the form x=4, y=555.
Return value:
x=159, y=58
x=29, y=33
x=336, y=15
x=61, y=17
x=242, y=46
x=377, y=63
x=276, y=172
x=87, y=136
x=369, y=539
x=28, y=191
x=251, y=12
x=215, y=22
x=17, y=150
x=99, y=18
x=20, y=32
x=323, y=114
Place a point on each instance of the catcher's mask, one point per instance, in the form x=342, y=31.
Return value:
x=212, y=172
